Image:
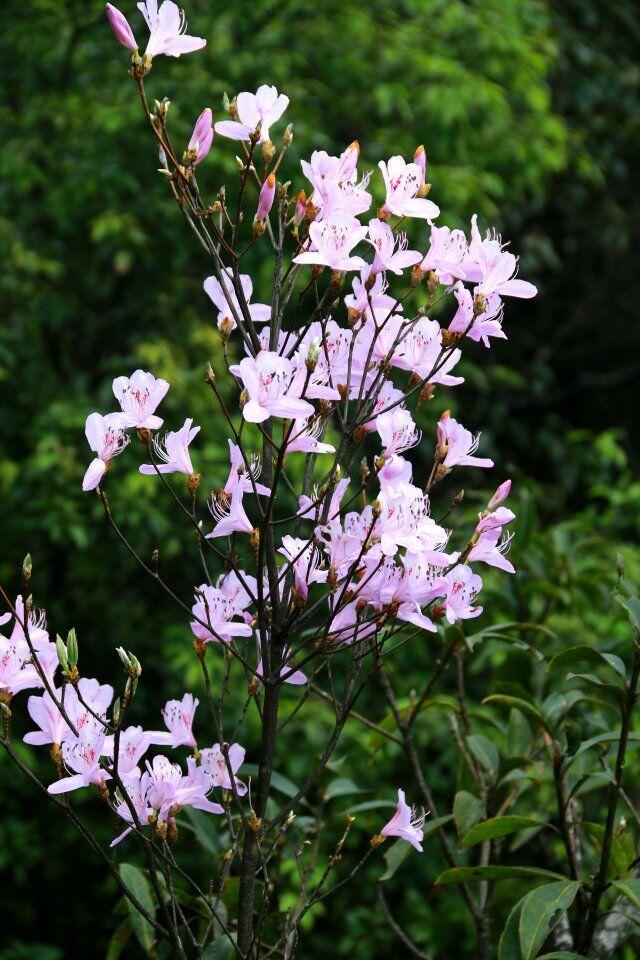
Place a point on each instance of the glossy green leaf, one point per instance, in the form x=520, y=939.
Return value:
x=136, y=881
x=472, y=874
x=523, y=706
x=542, y=909
x=630, y=889
x=567, y=658
x=467, y=811
x=632, y=606
x=342, y=787
x=394, y=856
x=509, y=944
x=485, y=752
x=498, y=827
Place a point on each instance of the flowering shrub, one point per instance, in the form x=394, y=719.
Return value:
x=322, y=552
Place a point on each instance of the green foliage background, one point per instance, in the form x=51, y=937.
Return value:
x=528, y=110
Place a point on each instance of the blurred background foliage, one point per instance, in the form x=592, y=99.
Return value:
x=528, y=110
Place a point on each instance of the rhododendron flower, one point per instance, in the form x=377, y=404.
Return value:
x=397, y=431
x=272, y=388
x=242, y=476
x=304, y=559
x=333, y=240
x=45, y=713
x=287, y=673
x=463, y=586
x=82, y=755
x=214, y=764
x=229, y=514
x=202, y=136
x=334, y=180
x=36, y=623
x=459, y=444
x=136, y=787
x=134, y=743
x=305, y=438
x=492, y=267
x=447, y=249
x=266, y=197
x=167, y=27
x=178, y=717
x=491, y=549
x=215, y=610
x=361, y=298
x=225, y=299
x=16, y=672
x=120, y=26
x=138, y=396
x=421, y=353
x=404, y=521
x=192, y=790
x=107, y=438
x=384, y=241
x=173, y=451
x=406, y=824
x=263, y=107
x=497, y=518
x=403, y=181
x=97, y=697
x=478, y=327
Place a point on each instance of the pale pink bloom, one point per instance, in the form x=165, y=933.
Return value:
x=225, y=299
x=491, y=548
x=421, y=352
x=16, y=672
x=460, y=445
x=215, y=609
x=404, y=521
x=311, y=509
x=287, y=673
x=333, y=240
x=134, y=743
x=230, y=515
x=36, y=625
x=273, y=389
x=343, y=547
x=97, y=697
x=500, y=495
x=388, y=395
x=384, y=241
x=304, y=438
x=107, y=438
x=492, y=267
x=173, y=450
x=46, y=714
x=406, y=824
x=420, y=160
x=463, y=586
x=267, y=195
x=120, y=26
x=405, y=589
x=161, y=782
x=403, y=181
x=215, y=766
x=178, y=717
x=202, y=136
x=397, y=431
x=348, y=626
x=395, y=470
x=304, y=558
x=240, y=476
x=487, y=324
x=167, y=27
x=447, y=249
x=263, y=107
x=82, y=755
x=136, y=787
x=320, y=383
x=193, y=789
x=497, y=518
x=240, y=593
x=139, y=395
x=335, y=183
x=361, y=298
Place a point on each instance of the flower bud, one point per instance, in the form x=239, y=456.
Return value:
x=27, y=568
x=62, y=653
x=121, y=29
x=72, y=649
x=265, y=200
x=209, y=375
x=313, y=354
x=417, y=275
x=433, y=281
x=350, y=160
x=353, y=316
x=287, y=136
x=301, y=208
x=226, y=103
x=202, y=137
x=383, y=214
x=500, y=495
x=479, y=304
x=268, y=151
x=337, y=280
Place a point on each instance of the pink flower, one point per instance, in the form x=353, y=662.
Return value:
x=496, y=519
x=263, y=107
x=134, y=743
x=491, y=549
x=45, y=713
x=120, y=26
x=139, y=395
x=405, y=824
x=305, y=438
x=492, y=267
x=173, y=451
x=225, y=299
x=446, y=251
x=97, y=697
x=167, y=27
x=335, y=183
x=304, y=558
x=360, y=298
x=333, y=240
x=487, y=324
x=265, y=200
x=230, y=515
x=215, y=766
x=202, y=136
x=107, y=438
x=397, y=431
x=215, y=608
x=269, y=380
x=403, y=181
x=421, y=353
x=16, y=671
x=463, y=586
x=459, y=444
x=178, y=717
x=384, y=242
x=82, y=755
x=242, y=476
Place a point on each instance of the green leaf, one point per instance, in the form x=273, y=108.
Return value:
x=219, y=949
x=632, y=606
x=202, y=826
x=119, y=941
x=542, y=909
x=518, y=735
x=607, y=689
x=467, y=810
x=622, y=848
x=342, y=787
x=471, y=874
x=432, y=826
x=562, y=955
x=594, y=741
x=136, y=880
x=630, y=889
x=587, y=654
x=498, y=827
x=394, y=856
x=367, y=805
x=485, y=752
x=509, y=945
x=523, y=706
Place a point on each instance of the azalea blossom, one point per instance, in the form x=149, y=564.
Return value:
x=134, y=743
x=459, y=444
x=421, y=353
x=398, y=431
x=173, y=451
x=264, y=107
x=304, y=559
x=224, y=298
x=167, y=28
x=178, y=717
x=229, y=514
x=447, y=249
x=120, y=26
x=492, y=267
x=214, y=764
x=138, y=396
x=107, y=438
x=272, y=389
x=406, y=824
x=477, y=326
x=332, y=241
x=491, y=548
x=305, y=438
x=82, y=756
x=463, y=586
x=390, y=249
x=403, y=181
x=266, y=197
x=215, y=611
x=202, y=136
x=242, y=474
x=335, y=183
